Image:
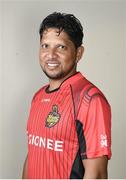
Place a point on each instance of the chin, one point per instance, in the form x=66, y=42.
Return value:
x=57, y=75
x=54, y=76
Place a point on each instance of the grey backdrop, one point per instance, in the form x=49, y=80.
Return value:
x=104, y=63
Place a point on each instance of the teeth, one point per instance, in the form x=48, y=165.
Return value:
x=52, y=65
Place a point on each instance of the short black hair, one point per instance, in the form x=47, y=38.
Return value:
x=66, y=22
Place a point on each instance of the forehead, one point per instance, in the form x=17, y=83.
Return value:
x=56, y=33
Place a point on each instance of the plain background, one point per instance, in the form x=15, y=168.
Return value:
x=104, y=63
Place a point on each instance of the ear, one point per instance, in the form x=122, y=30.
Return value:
x=80, y=51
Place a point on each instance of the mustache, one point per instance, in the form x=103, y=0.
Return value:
x=52, y=60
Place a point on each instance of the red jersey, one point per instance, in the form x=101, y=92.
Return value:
x=65, y=126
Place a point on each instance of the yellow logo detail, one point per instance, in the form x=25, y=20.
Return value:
x=53, y=117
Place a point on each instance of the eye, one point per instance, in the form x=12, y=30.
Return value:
x=61, y=47
x=44, y=46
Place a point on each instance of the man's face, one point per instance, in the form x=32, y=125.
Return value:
x=57, y=54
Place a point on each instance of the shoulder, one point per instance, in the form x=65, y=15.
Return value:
x=92, y=92
x=85, y=90
x=94, y=103
x=38, y=94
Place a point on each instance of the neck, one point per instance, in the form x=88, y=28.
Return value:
x=54, y=83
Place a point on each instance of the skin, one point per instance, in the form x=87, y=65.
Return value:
x=58, y=59
x=96, y=168
x=58, y=56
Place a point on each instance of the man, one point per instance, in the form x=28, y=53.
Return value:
x=69, y=126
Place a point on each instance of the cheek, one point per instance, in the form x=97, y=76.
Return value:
x=41, y=57
x=70, y=59
x=72, y=55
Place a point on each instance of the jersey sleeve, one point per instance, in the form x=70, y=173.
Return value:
x=96, y=122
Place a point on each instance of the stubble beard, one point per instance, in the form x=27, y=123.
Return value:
x=61, y=74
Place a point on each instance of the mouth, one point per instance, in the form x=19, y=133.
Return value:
x=52, y=65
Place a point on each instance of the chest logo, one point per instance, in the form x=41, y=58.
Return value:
x=53, y=117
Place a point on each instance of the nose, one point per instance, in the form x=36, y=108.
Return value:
x=52, y=53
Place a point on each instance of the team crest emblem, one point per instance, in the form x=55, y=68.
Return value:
x=53, y=117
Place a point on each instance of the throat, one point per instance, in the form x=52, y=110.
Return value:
x=54, y=84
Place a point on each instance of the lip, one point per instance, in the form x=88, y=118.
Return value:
x=52, y=65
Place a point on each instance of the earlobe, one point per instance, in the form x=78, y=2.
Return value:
x=80, y=52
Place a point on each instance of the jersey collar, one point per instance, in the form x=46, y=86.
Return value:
x=69, y=81
x=72, y=79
